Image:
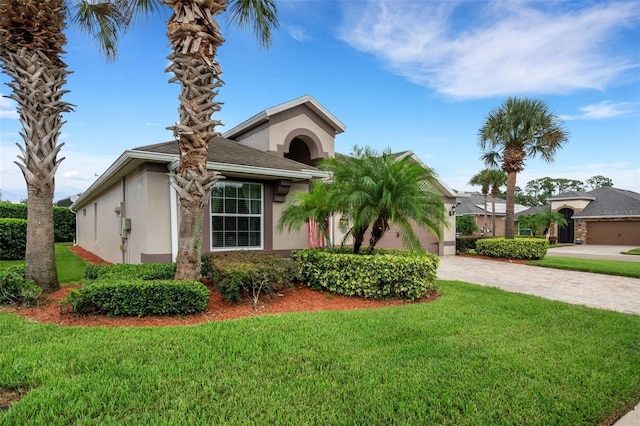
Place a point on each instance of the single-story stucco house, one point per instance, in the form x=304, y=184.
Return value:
x=605, y=215
x=130, y=213
x=472, y=204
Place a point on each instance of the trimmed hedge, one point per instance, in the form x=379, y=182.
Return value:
x=389, y=274
x=144, y=271
x=120, y=297
x=15, y=289
x=465, y=243
x=517, y=248
x=64, y=220
x=239, y=274
x=13, y=239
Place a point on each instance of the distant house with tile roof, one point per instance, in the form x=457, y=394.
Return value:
x=130, y=213
x=605, y=215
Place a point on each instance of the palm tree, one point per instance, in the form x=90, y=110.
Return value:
x=497, y=178
x=194, y=37
x=541, y=222
x=316, y=205
x=31, y=47
x=482, y=179
x=380, y=190
x=518, y=129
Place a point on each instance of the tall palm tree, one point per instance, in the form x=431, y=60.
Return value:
x=194, y=37
x=497, y=178
x=518, y=129
x=31, y=48
x=482, y=179
x=381, y=190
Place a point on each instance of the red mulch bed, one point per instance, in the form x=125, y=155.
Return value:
x=297, y=299
x=497, y=259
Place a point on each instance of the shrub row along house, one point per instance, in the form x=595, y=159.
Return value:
x=130, y=213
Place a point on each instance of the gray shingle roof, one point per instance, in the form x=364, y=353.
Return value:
x=226, y=151
x=572, y=195
x=611, y=202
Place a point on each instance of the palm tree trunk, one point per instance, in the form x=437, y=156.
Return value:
x=358, y=238
x=484, y=225
x=493, y=215
x=509, y=225
x=378, y=229
x=40, y=260
x=194, y=36
x=38, y=78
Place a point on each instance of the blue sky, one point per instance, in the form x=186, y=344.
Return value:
x=418, y=75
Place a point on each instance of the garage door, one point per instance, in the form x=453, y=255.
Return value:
x=614, y=233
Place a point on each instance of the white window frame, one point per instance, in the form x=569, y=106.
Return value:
x=261, y=216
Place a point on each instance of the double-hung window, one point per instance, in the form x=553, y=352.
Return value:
x=236, y=215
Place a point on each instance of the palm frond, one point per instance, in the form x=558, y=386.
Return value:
x=262, y=14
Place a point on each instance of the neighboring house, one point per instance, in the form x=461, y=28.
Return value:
x=130, y=213
x=472, y=204
x=604, y=215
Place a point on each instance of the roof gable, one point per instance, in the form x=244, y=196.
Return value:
x=266, y=115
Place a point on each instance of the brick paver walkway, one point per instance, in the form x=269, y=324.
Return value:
x=581, y=288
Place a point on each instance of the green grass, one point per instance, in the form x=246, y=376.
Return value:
x=70, y=267
x=635, y=252
x=476, y=356
x=610, y=267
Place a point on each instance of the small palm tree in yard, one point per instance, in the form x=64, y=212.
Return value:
x=31, y=48
x=194, y=36
x=482, y=179
x=316, y=205
x=541, y=222
x=497, y=178
x=518, y=129
x=377, y=190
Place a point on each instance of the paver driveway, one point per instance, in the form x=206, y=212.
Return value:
x=581, y=288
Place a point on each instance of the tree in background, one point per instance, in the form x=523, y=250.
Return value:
x=518, y=129
x=465, y=225
x=598, y=181
x=194, y=37
x=538, y=191
x=31, y=48
x=377, y=190
x=483, y=180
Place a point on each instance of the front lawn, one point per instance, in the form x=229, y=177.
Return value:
x=476, y=356
x=610, y=267
x=70, y=267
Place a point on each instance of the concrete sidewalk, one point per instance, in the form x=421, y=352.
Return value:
x=610, y=292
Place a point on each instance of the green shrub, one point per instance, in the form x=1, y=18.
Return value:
x=466, y=243
x=11, y=210
x=64, y=224
x=120, y=297
x=239, y=274
x=389, y=274
x=13, y=238
x=15, y=289
x=517, y=248
x=143, y=271
x=64, y=220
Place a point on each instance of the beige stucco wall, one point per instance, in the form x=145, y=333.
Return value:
x=289, y=240
x=299, y=122
x=571, y=204
x=150, y=218
x=99, y=225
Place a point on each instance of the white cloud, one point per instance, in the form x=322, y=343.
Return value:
x=76, y=173
x=7, y=108
x=297, y=33
x=604, y=109
x=505, y=48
